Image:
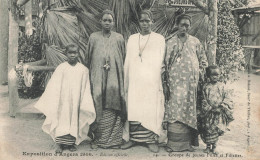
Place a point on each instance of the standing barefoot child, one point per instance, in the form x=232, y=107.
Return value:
x=216, y=110
x=67, y=103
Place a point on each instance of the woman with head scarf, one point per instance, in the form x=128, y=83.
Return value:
x=145, y=102
x=105, y=58
x=184, y=60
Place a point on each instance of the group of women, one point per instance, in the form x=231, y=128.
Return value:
x=144, y=86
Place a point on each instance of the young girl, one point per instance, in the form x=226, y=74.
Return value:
x=216, y=110
x=67, y=103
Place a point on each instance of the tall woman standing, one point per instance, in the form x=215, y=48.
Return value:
x=145, y=52
x=105, y=58
x=184, y=59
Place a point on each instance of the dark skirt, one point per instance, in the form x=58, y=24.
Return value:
x=109, y=129
x=179, y=136
x=140, y=134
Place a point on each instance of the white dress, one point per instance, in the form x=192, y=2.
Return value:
x=67, y=103
x=145, y=100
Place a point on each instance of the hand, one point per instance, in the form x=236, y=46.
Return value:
x=164, y=125
x=166, y=92
x=204, y=63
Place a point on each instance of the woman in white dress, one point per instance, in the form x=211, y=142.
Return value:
x=145, y=101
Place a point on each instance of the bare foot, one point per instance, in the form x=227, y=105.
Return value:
x=207, y=150
x=168, y=149
x=153, y=148
x=72, y=148
x=58, y=148
x=214, y=150
x=128, y=144
x=93, y=145
x=191, y=149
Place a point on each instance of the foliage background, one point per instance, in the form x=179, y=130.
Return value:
x=229, y=56
x=30, y=50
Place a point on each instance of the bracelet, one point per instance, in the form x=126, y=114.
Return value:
x=164, y=81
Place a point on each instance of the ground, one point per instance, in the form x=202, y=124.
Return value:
x=22, y=136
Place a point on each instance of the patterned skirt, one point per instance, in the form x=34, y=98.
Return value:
x=109, y=129
x=140, y=134
x=179, y=137
x=214, y=125
x=65, y=140
x=209, y=138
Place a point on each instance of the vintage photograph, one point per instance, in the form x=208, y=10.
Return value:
x=129, y=79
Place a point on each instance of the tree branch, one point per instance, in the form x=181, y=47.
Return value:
x=21, y=2
x=201, y=5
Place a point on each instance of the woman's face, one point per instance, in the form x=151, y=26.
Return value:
x=145, y=23
x=107, y=22
x=184, y=26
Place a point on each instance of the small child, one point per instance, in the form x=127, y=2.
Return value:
x=216, y=110
x=67, y=103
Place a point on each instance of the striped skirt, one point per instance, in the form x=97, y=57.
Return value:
x=140, y=134
x=179, y=137
x=210, y=138
x=109, y=129
x=65, y=140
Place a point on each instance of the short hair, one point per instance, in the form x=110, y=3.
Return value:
x=107, y=11
x=71, y=47
x=147, y=12
x=181, y=17
x=209, y=68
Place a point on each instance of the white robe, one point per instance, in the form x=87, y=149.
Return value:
x=67, y=103
x=145, y=100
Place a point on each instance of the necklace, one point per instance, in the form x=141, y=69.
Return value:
x=107, y=58
x=141, y=50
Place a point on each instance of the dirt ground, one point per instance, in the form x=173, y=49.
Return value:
x=22, y=137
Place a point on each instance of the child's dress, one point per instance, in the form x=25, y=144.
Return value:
x=213, y=124
x=67, y=104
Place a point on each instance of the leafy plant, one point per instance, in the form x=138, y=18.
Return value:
x=29, y=50
x=229, y=54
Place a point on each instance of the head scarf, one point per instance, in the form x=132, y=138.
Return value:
x=147, y=12
x=108, y=12
x=182, y=16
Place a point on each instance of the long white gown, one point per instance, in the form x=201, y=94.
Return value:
x=67, y=103
x=145, y=100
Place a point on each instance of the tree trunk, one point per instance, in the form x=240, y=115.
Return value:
x=28, y=18
x=212, y=29
x=4, y=20
x=12, y=60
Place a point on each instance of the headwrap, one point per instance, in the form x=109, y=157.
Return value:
x=182, y=16
x=147, y=12
x=106, y=11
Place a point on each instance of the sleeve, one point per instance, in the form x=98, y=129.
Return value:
x=166, y=58
x=122, y=47
x=227, y=100
x=49, y=101
x=127, y=64
x=89, y=51
x=87, y=112
x=203, y=62
x=205, y=107
x=163, y=52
